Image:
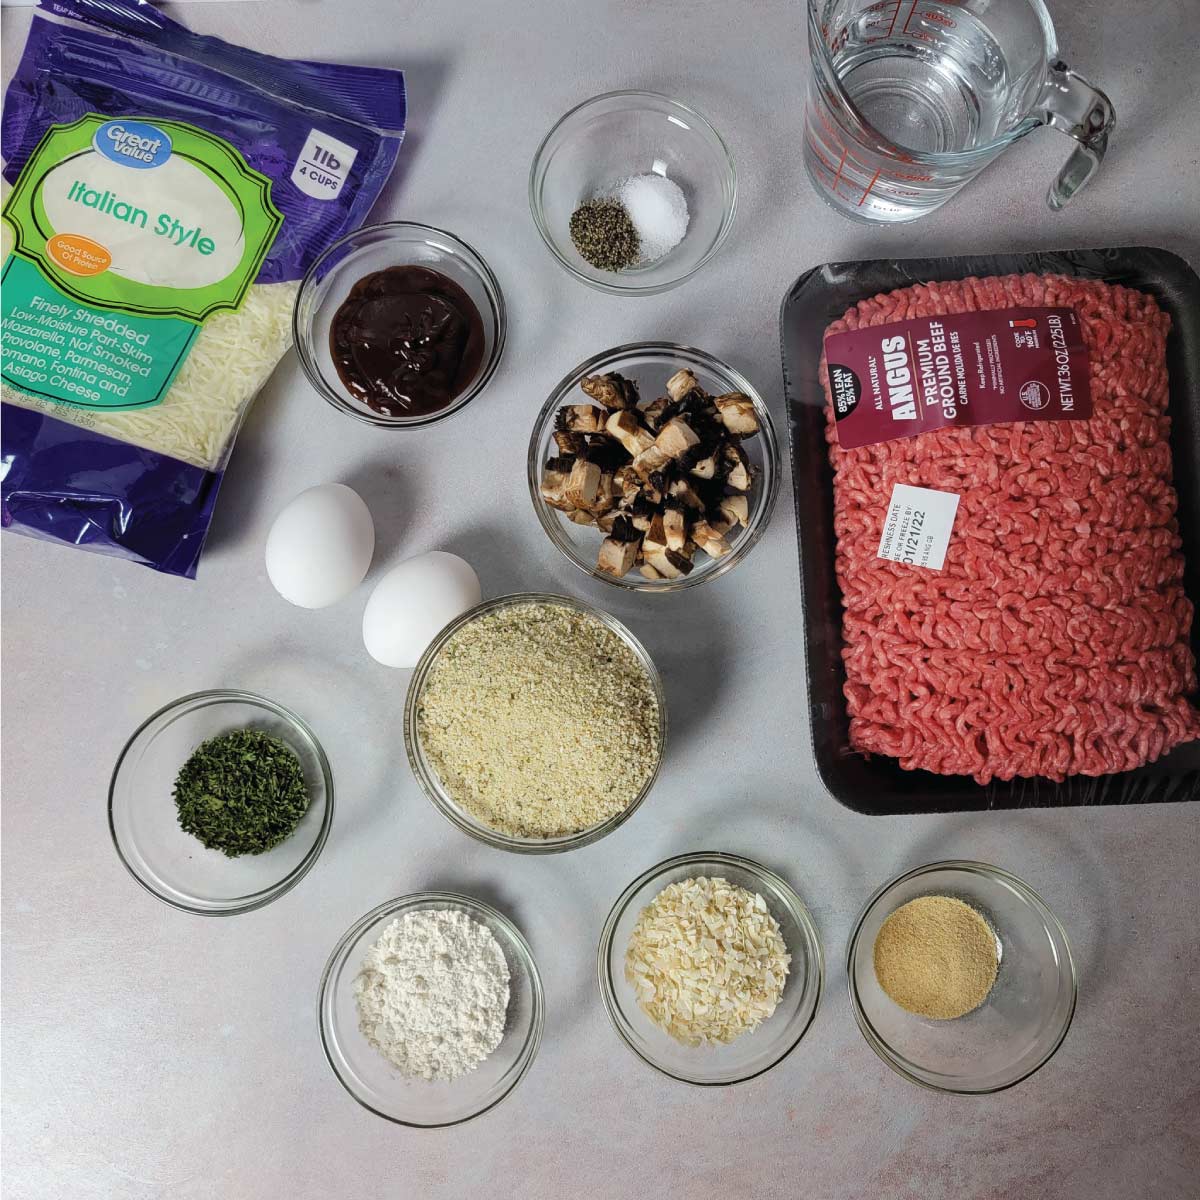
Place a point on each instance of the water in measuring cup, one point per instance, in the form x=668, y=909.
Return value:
x=929, y=77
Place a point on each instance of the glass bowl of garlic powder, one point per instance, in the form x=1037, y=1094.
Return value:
x=431, y=1009
x=961, y=978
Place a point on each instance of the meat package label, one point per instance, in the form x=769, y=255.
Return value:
x=975, y=368
x=917, y=527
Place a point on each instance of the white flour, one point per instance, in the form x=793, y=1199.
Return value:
x=432, y=994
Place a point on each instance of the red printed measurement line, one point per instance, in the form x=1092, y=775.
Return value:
x=895, y=14
x=839, y=170
x=870, y=186
x=910, y=14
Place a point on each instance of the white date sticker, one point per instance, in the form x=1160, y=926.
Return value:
x=917, y=527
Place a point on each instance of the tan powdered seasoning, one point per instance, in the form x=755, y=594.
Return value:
x=936, y=957
x=539, y=721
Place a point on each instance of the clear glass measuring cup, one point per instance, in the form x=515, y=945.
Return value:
x=908, y=100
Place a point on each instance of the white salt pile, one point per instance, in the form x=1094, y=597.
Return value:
x=659, y=212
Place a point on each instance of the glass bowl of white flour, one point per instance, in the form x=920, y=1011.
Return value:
x=431, y=1009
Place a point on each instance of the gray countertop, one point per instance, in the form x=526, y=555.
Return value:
x=148, y=1053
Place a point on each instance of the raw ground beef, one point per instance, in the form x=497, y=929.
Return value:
x=1055, y=640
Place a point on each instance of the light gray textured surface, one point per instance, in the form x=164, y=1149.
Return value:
x=152, y=1054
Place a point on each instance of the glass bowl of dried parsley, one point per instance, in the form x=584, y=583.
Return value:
x=220, y=802
x=961, y=978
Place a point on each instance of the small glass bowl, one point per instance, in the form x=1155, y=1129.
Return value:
x=752, y=1053
x=372, y=1080
x=650, y=365
x=175, y=866
x=611, y=137
x=427, y=775
x=375, y=248
x=1018, y=1027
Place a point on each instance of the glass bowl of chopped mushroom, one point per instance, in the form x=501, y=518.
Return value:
x=654, y=467
x=710, y=968
x=220, y=802
x=536, y=723
x=633, y=192
x=961, y=978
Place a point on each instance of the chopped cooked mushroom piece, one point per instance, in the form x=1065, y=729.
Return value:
x=681, y=383
x=704, y=468
x=653, y=412
x=648, y=572
x=737, y=413
x=580, y=517
x=554, y=486
x=720, y=525
x=669, y=563
x=649, y=461
x=611, y=390
x=582, y=418
x=617, y=558
x=627, y=429
x=709, y=540
x=736, y=509
x=569, y=442
x=674, y=527
x=676, y=437
x=683, y=491
x=656, y=534
x=627, y=481
x=606, y=520
x=737, y=467
x=583, y=483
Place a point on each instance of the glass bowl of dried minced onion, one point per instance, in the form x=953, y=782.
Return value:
x=771, y=917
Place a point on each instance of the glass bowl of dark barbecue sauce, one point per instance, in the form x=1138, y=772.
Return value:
x=400, y=324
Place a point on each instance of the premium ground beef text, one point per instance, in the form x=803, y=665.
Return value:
x=1054, y=640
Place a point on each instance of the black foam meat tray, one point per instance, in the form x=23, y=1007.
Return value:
x=876, y=784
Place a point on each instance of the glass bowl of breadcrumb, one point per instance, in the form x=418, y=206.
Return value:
x=536, y=723
x=912, y=963
x=710, y=968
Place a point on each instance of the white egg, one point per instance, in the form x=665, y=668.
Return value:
x=413, y=602
x=320, y=546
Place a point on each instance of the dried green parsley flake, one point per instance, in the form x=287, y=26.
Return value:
x=540, y=721
x=604, y=235
x=241, y=792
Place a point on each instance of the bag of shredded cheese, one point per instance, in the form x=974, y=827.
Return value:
x=168, y=192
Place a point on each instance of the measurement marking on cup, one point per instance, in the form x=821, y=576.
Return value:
x=839, y=170
x=910, y=15
x=870, y=186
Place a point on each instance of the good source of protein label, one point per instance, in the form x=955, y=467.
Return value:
x=168, y=192
x=1054, y=640
x=974, y=368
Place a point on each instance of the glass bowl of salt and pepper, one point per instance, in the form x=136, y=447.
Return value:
x=633, y=192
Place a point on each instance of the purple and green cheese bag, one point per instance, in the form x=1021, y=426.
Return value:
x=164, y=195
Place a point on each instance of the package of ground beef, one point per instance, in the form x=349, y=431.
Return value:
x=1007, y=547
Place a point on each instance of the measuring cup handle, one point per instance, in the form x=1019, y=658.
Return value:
x=1071, y=105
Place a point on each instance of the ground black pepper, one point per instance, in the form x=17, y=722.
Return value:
x=604, y=235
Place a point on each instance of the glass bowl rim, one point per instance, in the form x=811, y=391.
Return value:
x=264, y=896
x=413, y=901
x=896, y=1061
x=464, y=252
x=814, y=981
x=689, y=356
x=432, y=786
x=655, y=98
